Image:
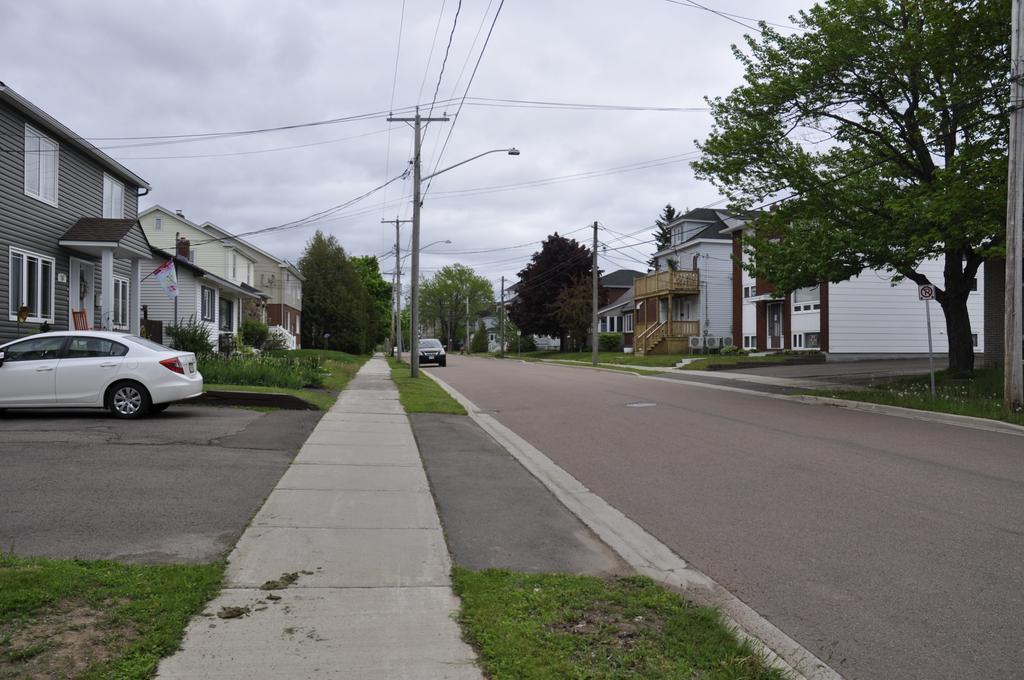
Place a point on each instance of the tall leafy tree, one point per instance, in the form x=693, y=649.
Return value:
x=883, y=124
x=575, y=310
x=662, y=232
x=443, y=299
x=559, y=264
x=378, y=299
x=334, y=301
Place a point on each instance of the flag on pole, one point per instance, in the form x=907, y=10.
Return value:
x=167, y=275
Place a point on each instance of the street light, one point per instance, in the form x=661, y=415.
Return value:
x=414, y=350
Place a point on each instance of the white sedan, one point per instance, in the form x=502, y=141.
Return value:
x=127, y=374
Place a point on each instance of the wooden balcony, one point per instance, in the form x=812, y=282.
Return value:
x=672, y=282
x=664, y=337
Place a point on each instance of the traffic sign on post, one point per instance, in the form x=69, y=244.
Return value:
x=926, y=291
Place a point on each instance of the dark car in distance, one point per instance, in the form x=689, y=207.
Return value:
x=432, y=352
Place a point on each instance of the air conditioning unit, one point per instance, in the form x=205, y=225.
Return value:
x=696, y=342
x=727, y=341
x=712, y=342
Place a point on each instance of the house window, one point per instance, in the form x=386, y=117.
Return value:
x=812, y=340
x=798, y=341
x=749, y=342
x=974, y=339
x=748, y=291
x=193, y=255
x=604, y=324
x=40, y=166
x=227, y=315
x=234, y=266
x=627, y=323
x=30, y=284
x=113, y=197
x=807, y=299
x=206, y=303
x=120, y=302
x=158, y=224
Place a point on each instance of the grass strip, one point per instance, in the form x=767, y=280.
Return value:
x=340, y=372
x=561, y=626
x=422, y=394
x=623, y=369
x=980, y=396
x=702, y=363
x=96, y=619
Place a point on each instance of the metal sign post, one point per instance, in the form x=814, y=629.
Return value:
x=926, y=292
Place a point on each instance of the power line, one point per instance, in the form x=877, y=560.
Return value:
x=394, y=87
x=733, y=17
x=472, y=76
x=444, y=62
x=430, y=55
x=258, y=151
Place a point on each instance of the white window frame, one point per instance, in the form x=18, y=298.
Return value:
x=627, y=323
x=748, y=291
x=212, y=318
x=112, y=209
x=158, y=223
x=805, y=345
x=25, y=255
x=807, y=305
x=122, y=298
x=38, y=193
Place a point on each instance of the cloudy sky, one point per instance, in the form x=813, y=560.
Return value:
x=139, y=70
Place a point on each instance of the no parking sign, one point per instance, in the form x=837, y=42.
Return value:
x=926, y=292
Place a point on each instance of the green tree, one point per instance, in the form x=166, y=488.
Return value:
x=575, y=311
x=479, y=343
x=378, y=303
x=559, y=264
x=443, y=300
x=883, y=125
x=663, y=233
x=334, y=301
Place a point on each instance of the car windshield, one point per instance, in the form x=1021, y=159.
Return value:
x=148, y=344
x=430, y=343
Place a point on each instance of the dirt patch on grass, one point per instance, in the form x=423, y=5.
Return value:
x=612, y=625
x=62, y=643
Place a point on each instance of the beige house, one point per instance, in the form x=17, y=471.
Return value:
x=222, y=253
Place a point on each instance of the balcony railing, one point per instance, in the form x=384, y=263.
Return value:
x=650, y=336
x=672, y=282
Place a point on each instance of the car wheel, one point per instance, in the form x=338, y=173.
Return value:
x=159, y=408
x=442, y=363
x=128, y=400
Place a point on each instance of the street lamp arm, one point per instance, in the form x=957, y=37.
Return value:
x=511, y=152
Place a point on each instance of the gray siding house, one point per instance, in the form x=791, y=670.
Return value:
x=69, y=235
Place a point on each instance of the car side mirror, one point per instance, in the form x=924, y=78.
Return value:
x=3, y=355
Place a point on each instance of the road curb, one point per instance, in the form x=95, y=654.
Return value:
x=972, y=422
x=648, y=555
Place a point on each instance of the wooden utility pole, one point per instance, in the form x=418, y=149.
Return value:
x=1013, y=365
x=593, y=300
x=501, y=319
x=414, y=330
x=397, y=325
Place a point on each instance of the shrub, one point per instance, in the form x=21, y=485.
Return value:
x=731, y=349
x=609, y=342
x=479, y=343
x=527, y=343
x=190, y=335
x=266, y=370
x=276, y=341
x=253, y=333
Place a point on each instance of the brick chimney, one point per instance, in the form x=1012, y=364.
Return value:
x=182, y=247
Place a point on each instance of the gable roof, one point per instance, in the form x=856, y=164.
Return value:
x=620, y=278
x=58, y=129
x=93, y=234
x=626, y=301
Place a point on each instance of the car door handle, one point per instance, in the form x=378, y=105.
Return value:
x=108, y=365
x=43, y=369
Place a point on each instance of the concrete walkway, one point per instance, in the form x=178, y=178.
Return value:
x=354, y=518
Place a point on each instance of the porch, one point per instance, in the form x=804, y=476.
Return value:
x=666, y=303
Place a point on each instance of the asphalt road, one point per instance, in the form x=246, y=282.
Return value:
x=891, y=548
x=177, y=487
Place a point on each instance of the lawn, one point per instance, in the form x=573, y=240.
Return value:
x=980, y=396
x=335, y=370
x=663, y=360
x=561, y=626
x=95, y=619
x=421, y=395
x=623, y=368
x=703, y=362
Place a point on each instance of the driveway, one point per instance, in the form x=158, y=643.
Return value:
x=178, y=487
x=852, y=372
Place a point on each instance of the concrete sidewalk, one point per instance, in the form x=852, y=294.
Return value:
x=354, y=518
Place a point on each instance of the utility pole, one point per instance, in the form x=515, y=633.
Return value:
x=593, y=300
x=397, y=325
x=501, y=319
x=1013, y=364
x=465, y=343
x=414, y=330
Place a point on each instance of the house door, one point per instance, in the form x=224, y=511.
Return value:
x=662, y=310
x=81, y=290
x=775, y=331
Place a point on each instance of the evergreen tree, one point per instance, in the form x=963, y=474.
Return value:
x=334, y=300
x=663, y=232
